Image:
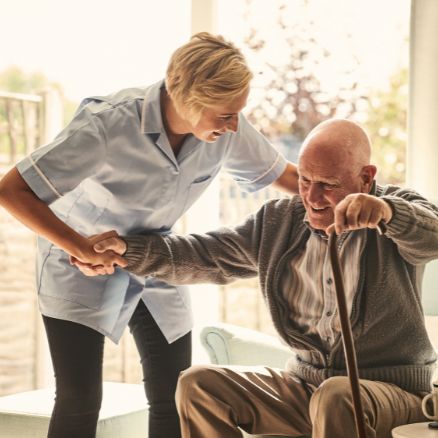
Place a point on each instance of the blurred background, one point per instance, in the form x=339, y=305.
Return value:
x=312, y=60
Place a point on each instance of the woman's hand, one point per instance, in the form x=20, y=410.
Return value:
x=101, y=255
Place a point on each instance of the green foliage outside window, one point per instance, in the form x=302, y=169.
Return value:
x=387, y=125
x=293, y=99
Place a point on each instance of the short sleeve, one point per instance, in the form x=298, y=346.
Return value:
x=252, y=160
x=78, y=152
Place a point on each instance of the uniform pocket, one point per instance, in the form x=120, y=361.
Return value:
x=195, y=190
x=59, y=279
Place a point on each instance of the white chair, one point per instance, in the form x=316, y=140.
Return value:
x=123, y=414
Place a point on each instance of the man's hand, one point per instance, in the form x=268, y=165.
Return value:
x=360, y=210
x=111, y=243
x=105, y=252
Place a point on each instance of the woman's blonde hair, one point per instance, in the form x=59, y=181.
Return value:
x=204, y=72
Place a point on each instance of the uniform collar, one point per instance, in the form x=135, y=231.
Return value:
x=151, y=121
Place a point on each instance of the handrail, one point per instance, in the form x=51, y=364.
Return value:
x=21, y=97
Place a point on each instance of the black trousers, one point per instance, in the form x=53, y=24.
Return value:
x=77, y=356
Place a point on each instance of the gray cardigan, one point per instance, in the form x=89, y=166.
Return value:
x=387, y=319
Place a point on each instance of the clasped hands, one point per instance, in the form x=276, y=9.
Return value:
x=104, y=254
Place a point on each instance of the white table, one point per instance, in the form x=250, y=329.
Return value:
x=415, y=430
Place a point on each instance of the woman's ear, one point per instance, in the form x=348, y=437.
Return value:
x=367, y=176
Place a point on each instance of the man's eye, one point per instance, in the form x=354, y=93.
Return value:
x=329, y=186
x=226, y=117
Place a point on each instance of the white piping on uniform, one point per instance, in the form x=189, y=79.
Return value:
x=269, y=170
x=44, y=178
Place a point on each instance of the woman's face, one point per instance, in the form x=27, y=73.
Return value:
x=218, y=120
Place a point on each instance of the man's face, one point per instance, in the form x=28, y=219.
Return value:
x=324, y=181
x=216, y=121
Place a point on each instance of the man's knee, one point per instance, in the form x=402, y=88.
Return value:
x=195, y=380
x=334, y=387
x=333, y=393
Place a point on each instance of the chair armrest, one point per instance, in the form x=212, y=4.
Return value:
x=228, y=344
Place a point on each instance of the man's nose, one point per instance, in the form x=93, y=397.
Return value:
x=314, y=193
x=233, y=124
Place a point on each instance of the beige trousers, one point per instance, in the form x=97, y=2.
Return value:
x=214, y=401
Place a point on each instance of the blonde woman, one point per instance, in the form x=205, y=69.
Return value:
x=133, y=161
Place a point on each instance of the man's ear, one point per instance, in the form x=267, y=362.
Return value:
x=367, y=175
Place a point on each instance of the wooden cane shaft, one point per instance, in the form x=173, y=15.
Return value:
x=347, y=337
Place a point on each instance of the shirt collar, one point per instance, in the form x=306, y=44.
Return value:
x=319, y=233
x=151, y=121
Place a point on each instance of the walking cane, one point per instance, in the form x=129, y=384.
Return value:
x=347, y=336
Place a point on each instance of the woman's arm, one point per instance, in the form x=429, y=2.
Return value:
x=18, y=199
x=288, y=180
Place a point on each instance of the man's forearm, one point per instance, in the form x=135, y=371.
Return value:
x=207, y=258
x=414, y=228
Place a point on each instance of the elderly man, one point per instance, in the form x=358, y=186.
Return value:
x=285, y=244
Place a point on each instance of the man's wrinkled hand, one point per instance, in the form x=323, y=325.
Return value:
x=111, y=243
x=359, y=210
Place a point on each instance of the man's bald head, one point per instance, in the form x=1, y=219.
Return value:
x=339, y=139
x=334, y=162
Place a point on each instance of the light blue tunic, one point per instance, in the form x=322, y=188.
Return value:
x=112, y=167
